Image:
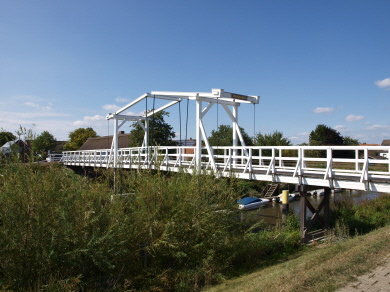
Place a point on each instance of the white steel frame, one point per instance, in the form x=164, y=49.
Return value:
x=287, y=164
x=216, y=96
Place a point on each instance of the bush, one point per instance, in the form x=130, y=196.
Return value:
x=62, y=231
x=364, y=217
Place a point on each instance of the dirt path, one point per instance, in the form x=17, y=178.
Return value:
x=376, y=280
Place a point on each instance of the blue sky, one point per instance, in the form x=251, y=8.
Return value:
x=66, y=64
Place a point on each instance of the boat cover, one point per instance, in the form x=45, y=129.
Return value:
x=248, y=200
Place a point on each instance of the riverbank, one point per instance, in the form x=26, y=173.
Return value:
x=320, y=267
x=164, y=232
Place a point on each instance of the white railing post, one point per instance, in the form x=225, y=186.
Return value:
x=280, y=158
x=329, y=164
x=198, y=150
x=357, y=160
x=364, y=176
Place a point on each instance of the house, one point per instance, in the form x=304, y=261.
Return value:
x=59, y=147
x=377, y=154
x=19, y=147
x=105, y=142
x=371, y=153
x=190, y=143
x=385, y=154
x=385, y=143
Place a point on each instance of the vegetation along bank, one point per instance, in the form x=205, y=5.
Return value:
x=166, y=232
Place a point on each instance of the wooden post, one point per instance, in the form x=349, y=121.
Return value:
x=285, y=206
x=303, y=193
x=326, y=199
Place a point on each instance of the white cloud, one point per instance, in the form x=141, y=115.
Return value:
x=38, y=106
x=31, y=104
x=320, y=110
x=353, y=118
x=80, y=123
x=22, y=116
x=340, y=127
x=27, y=97
x=130, y=113
x=121, y=99
x=95, y=118
x=111, y=107
x=299, y=138
x=56, y=123
x=377, y=127
x=383, y=83
x=89, y=120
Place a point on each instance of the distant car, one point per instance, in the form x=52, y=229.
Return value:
x=53, y=157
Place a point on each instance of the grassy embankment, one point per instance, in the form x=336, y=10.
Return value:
x=332, y=264
x=61, y=232
x=322, y=267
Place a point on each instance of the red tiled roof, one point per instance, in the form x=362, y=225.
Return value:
x=105, y=142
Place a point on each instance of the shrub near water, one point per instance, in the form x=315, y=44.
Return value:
x=60, y=231
x=55, y=224
x=364, y=217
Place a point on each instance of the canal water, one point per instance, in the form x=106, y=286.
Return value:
x=271, y=212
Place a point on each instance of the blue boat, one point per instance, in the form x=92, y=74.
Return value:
x=249, y=203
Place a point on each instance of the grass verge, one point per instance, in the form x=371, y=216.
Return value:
x=321, y=267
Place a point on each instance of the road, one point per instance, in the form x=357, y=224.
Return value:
x=376, y=280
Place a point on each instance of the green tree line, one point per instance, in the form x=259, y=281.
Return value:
x=161, y=133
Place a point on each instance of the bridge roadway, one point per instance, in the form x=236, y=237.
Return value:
x=305, y=165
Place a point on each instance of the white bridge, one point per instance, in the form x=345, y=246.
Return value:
x=288, y=164
x=325, y=166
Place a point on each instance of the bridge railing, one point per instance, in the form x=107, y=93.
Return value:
x=327, y=162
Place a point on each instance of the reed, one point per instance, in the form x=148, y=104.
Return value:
x=364, y=217
x=61, y=231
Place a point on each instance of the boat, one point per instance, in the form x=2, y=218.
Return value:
x=317, y=193
x=249, y=203
x=278, y=198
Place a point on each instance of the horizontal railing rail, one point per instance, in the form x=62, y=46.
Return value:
x=333, y=166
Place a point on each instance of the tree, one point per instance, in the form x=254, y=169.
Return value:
x=273, y=139
x=78, y=137
x=6, y=137
x=20, y=150
x=349, y=141
x=43, y=143
x=224, y=136
x=160, y=132
x=325, y=136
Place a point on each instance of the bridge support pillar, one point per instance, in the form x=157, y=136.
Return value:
x=308, y=224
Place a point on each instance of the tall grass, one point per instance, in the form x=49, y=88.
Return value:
x=363, y=217
x=60, y=231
